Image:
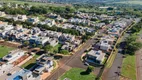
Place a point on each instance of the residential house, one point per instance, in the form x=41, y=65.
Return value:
x=4, y=68
x=115, y=31
x=48, y=22
x=44, y=64
x=68, y=46
x=24, y=74
x=76, y=42
x=108, y=38
x=33, y=20
x=2, y=24
x=104, y=45
x=35, y=31
x=66, y=37
x=38, y=40
x=53, y=42
x=42, y=40
x=53, y=16
x=13, y=55
x=20, y=18
x=100, y=25
x=2, y=14
x=95, y=57
x=5, y=27
x=79, y=21
x=53, y=34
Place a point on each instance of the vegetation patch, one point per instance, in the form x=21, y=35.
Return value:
x=4, y=50
x=55, y=49
x=129, y=68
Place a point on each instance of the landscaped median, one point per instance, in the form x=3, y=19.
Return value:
x=77, y=74
x=128, y=70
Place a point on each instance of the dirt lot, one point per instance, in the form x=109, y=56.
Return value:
x=17, y=45
x=18, y=61
x=10, y=44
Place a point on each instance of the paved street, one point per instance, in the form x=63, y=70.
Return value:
x=69, y=62
x=112, y=75
x=113, y=71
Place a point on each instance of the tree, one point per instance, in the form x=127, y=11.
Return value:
x=55, y=51
x=40, y=46
x=34, y=45
x=64, y=52
x=89, y=69
x=48, y=48
x=132, y=45
x=26, y=43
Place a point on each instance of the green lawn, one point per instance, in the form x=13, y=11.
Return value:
x=129, y=68
x=56, y=48
x=4, y=50
x=30, y=63
x=78, y=74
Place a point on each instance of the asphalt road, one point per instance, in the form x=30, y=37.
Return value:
x=68, y=62
x=115, y=70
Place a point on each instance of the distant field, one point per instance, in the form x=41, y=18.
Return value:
x=130, y=2
x=31, y=3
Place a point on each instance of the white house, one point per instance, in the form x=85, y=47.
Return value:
x=24, y=74
x=104, y=45
x=45, y=64
x=42, y=40
x=20, y=18
x=48, y=22
x=4, y=68
x=38, y=40
x=2, y=14
x=53, y=42
x=13, y=55
x=96, y=57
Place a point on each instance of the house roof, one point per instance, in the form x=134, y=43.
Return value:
x=98, y=54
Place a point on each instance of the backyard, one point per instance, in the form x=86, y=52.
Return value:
x=29, y=64
x=4, y=50
x=77, y=74
x=56, y=48
x=129, y=68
